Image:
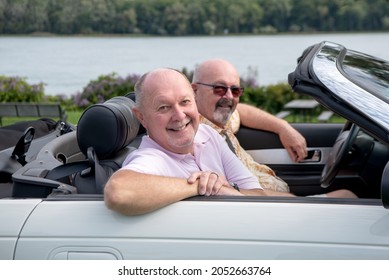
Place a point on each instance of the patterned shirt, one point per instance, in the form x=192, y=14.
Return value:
x=266, y=176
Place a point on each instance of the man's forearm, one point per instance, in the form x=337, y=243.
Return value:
x=260, y=192
x=134, y=193
x=256, y=118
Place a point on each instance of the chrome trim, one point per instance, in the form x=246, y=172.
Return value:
x=325, y=68
x=281, y=156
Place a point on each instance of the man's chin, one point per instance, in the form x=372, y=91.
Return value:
x=222, y=117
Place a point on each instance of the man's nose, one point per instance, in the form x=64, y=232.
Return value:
x=228, y=94
x=179, y=113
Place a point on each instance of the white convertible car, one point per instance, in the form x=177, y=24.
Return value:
x=54, y=208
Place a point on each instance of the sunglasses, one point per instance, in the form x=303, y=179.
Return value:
x=222, y=90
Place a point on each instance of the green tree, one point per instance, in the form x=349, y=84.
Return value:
x=14, y=14
x=277, y=13
x=126, y=21
x=253, y=14
x=95, y=16
x=188, y=17
x=148, y=17
x=197, y=17
x=3, y=7
x=236, y=18
x=36, y=19
x=303, y=15
x=351, y=15
x=175, y=18
x=378, y=14
x=62, y=16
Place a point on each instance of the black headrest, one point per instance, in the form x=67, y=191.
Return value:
x=107, y=127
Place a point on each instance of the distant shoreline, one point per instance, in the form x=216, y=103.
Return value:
x=66, y=64
x=131, y=35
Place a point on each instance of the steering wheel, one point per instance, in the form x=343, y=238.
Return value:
x=339, y=151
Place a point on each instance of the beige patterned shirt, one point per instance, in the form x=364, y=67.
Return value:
x=266, y=176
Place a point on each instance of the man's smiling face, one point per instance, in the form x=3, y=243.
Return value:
x=169, y=111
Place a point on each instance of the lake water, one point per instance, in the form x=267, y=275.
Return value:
x=67, y=64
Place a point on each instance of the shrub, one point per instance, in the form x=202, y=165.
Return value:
x=270, y=98
x=16, y=89
x=104, y=88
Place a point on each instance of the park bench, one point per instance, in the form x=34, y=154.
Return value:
x=21, y=109
x=283, y=114
x=325, y=116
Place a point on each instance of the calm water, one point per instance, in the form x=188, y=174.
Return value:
x=67, y=64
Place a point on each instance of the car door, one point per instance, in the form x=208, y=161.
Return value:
x=208, y=228
x=13, y=215
x=304, y=177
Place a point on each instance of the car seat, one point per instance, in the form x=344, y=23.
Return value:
x=104, y=134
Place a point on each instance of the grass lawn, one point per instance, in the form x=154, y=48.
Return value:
x=73, y=117
x=333, y=119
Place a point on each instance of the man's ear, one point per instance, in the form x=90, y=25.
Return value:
x=194, y=87
x=138, y=114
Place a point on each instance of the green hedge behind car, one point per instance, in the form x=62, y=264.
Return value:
x=16, y=89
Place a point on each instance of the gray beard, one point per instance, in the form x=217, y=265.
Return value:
x=221, y=117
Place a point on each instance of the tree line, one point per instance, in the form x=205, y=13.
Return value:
x=191, y=17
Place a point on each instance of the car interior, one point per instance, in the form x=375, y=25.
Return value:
x=340, y=155
x=79, y=162
x=82, y=160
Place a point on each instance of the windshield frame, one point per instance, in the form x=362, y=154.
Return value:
x=328, y=68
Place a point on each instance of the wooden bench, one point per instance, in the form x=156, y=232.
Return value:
x=325, y=116
x=283, y=114
x=20, y=109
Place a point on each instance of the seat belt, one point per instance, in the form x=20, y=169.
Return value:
x=229, y=142
x=65, y=170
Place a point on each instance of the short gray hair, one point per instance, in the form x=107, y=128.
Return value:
x=138, y=89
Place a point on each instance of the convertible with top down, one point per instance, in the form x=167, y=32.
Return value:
x=52, y=204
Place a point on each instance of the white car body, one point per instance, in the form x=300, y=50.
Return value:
x=195, y=230
x=50, y=219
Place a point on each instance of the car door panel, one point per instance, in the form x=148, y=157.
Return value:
x=303, y=177
x=13, y=215
x=316, y=135
x=208, y=229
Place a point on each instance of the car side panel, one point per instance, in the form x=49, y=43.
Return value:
x=303, y=178
x=266, y=148
x=13, y=214
x=316, y=135
x=207, y=230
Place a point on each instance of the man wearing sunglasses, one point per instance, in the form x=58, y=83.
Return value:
x=179, y=157
x=217, y=89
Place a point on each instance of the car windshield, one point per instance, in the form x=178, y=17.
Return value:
x=368, y=72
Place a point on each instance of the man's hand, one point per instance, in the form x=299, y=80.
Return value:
x=294, y=143
x=290, y=138
x=211, y=183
